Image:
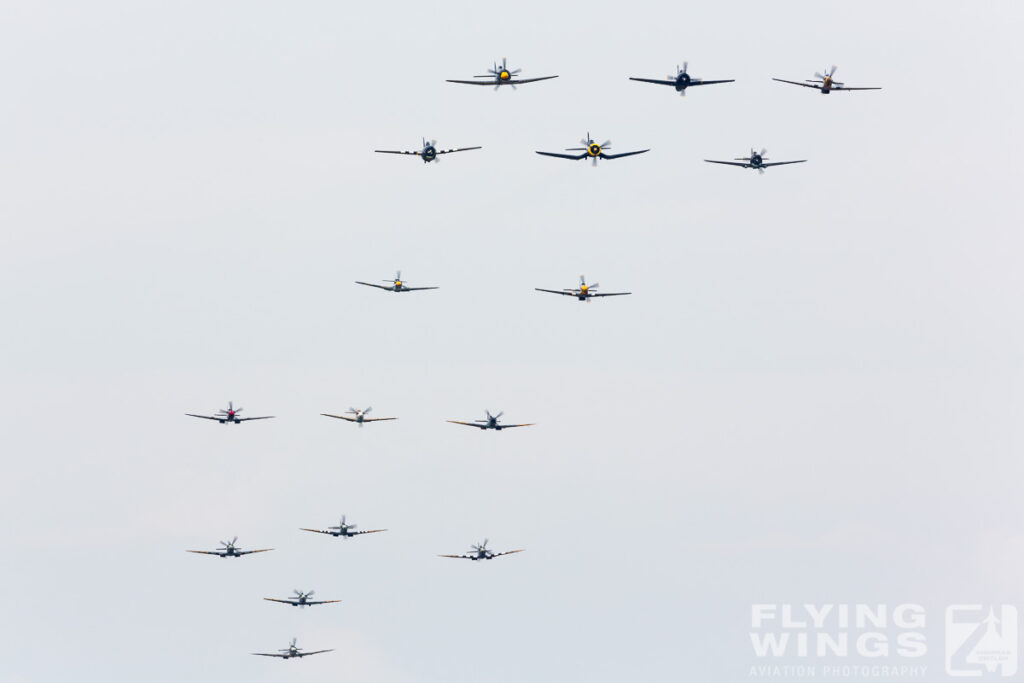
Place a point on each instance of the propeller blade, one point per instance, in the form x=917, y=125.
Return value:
x=496, y=417
x=760, y=171
x=514, y=73
x=594, y=162
x=763, y=152
x=819, y=76
x=234, y=540
x=832, y=71
x=686, y=65
x=310, y=593
x=594, y=286
x=368, y=410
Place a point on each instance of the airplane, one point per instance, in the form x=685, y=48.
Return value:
x=301, y=600
x=593, y=150
x=360, y=416
x=397, y=285
x=825, y=84
x=343, y=529
x=229, y=550
x=229, y=415
x=682, y=80
x=503, y=76
x=584, y=292
x=755, y=160
x=490, y=423
x=291, y=652
x=480, y=552
x=429, y=152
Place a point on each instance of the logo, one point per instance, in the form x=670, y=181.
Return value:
x=981, y=642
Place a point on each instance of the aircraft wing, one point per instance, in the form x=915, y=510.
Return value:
x=806, y=85
x=555, y=291
x=490, y=82
x=319, y=602
x=652, y=80
x=206, y=417
x=530, y=80
x=378, y=419
x=741, y=164
x=370, y=284
x=843, y=87
x=508, y=552
x=698, y=81
x=611, y=294
x=624, y=154
x=576, y=157
x=250, y=552
x=283, y=602
x=263, y=417
x=449, y=151
x=206, y=552
x=414, y=289
x=314, y=652
x=340, y=417
x=394, y=151
x=469, y=424
x=526, y=424
x=783, y=163
x=267, y=654
x=457, y=557
x=317, y=531
x=368, y=531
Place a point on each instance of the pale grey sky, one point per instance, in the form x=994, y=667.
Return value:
x=813, y=394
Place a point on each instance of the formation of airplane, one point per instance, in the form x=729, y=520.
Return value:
x=358, y=416
x=490, y=423
x=502, y=76
x=429, y=152
x=755, y=160
x=480, y=552
x=301, y=599
x=290, y=652
x=397, y=285
x=343, y=529
x=823, y=82
x=592, y=150
x=229, y=415
x=681, y=81
x=584, y=292
x=229, y=550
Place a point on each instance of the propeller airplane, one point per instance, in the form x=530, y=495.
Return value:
x=480, y=552
x=229, y=415
x=229, y=550
x=681, y=81
x=358, y=416
x=755, y=160
x=301, y=599
x=490, y=423
x=826, y=83
x=592, y=150
x=397, y=285
x=584, y=292
x=429, y=151
x=290, y=652
x=502, y=76
x=343, y=529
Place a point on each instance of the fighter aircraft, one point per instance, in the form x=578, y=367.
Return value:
x=429, y=152
x=229, y=550
x=343, y=529
x=301, y=600
x=822, y=82
x=359, y=416
x=681, y=81
x=480, y=552
x=755, y=160
x=291, y=652
x=584, y=292
x=593, y=150
x=229, y=415
x=397, y=285
x=490, y=423
x=503, y=76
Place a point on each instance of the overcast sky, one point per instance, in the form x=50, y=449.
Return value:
x=813, y=394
